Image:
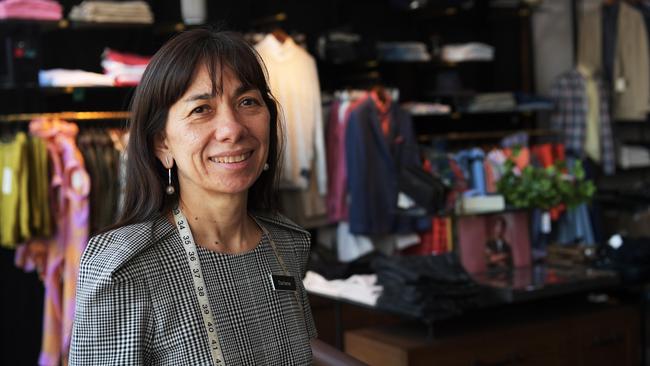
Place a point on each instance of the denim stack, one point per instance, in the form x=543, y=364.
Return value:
x=425, y=287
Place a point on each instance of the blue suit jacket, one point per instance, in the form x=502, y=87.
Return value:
x=372, y=170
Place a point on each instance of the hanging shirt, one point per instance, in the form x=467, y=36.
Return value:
x=72, y=186
x=293, y=80
x=40, y=215
x=570, y=118
x=592, y=142
x=14, y=198
x=337, y=193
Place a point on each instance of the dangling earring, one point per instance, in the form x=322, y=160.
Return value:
x=266, y=166
x=170, y=188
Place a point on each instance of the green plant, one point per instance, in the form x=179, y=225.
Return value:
x=545, y=188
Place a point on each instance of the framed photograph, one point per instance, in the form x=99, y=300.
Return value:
x=494, y=242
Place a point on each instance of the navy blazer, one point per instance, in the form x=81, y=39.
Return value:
x=372, y=170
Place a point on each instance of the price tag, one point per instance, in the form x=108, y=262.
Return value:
x=7, y=175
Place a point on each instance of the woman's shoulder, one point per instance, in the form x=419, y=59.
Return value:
x=119, y=249
x=292, y=241
x=275, y=221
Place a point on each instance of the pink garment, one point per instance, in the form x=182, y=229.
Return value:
x=337, y=207
x=490, y=181
x=72, y=185
x=31, y=9
x=32, y=256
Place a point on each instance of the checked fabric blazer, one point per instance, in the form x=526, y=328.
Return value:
x=136, y=302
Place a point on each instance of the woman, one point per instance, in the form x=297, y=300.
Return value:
x=199, y=270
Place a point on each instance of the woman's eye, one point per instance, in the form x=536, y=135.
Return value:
x=200, y=110
x=248, y=102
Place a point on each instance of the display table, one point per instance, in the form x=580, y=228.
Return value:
x=605, y=334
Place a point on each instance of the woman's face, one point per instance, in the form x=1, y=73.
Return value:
x=219, y=142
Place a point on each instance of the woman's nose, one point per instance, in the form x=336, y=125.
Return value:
x=229, y=128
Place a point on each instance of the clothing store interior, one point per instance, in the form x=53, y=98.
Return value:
x=472, y=172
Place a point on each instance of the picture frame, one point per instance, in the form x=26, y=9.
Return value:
x=494, y=242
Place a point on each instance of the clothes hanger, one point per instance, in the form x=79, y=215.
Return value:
x=280, y=34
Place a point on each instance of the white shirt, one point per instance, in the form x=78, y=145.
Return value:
x=293, y=79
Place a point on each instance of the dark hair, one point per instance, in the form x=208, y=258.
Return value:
x=167, y=77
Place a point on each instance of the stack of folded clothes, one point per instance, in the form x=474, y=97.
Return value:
x=473, y=51
x=112, y=12
x=126, y=69
x=403, y=51
x=65, y=77
x=425, y=287
x=30, y=9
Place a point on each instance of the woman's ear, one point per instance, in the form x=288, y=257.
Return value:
x=162, y=151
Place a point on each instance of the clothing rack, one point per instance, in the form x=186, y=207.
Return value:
x=71, y=116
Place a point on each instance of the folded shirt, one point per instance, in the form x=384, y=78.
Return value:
x=633, y=156
x=424, y=108
x=473, y=51
x=31, y=9
x=112, y=12
x=358, y=288
x=403, y=51
x=64, y=77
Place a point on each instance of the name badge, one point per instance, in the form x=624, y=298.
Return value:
x=283, y=283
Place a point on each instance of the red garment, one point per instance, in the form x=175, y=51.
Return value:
x=434, y=241
x=125, y=58
x=337, y=206
x=544, y=154
x=384, y=108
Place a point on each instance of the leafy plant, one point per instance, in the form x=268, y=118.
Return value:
x=545, y=188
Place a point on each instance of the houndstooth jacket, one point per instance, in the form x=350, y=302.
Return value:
x=136, y=302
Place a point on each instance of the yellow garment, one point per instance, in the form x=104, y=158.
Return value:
x=41, y=220
x=592, y=132
x=14, y=198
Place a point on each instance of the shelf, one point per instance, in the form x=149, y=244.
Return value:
x=376, y=63
x=60, y=89
x=459, y=115
x=21, y=23
x=432, y=12
x=75, y=116
x=51, y=25
x=34, y=99
x=632, y=168
x=483, y=135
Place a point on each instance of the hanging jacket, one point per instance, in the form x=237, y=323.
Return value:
x=631, y=59
x=372, y=170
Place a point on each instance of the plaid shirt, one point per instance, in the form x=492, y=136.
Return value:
x=136, y=302
x=570, y=117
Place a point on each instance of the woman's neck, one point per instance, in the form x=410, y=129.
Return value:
x=221, y=225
